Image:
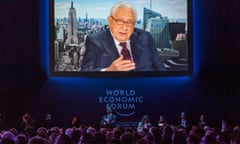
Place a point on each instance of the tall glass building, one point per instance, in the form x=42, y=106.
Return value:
x=158, y=26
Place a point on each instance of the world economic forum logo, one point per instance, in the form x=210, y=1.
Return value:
x=123, y=102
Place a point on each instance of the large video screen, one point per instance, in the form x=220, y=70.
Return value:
x=84, y=37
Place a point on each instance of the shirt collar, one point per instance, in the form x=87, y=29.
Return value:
x=117, y=42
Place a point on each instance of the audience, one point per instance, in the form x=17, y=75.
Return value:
x=202, y=121
x=162, y=122
x=48, y=121
x=27, y=121
x=108, y=120
x=184, y=122
x=75, y=122
x=199, y=133
x=144, y=124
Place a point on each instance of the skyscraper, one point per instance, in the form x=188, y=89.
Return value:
x=72, y=26
x=158, y=26
x=147, y=13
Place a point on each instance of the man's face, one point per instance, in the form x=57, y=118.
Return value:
x=121, y=24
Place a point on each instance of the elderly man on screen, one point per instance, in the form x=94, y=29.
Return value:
x=122, y=47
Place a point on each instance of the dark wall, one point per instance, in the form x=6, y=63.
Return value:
x=220, y=70
x=21, y=74
x=214, y=89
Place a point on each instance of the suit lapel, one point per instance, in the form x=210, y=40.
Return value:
x=109, y=45
x=135, y=45
x=111, y=49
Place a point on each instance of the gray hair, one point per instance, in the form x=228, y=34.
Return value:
x=123, y=5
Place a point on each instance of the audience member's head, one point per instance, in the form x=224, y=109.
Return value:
x=109, y=136
x=68, y=132
x=7, y=141
x=9, y=136
x=21, y=139
x=100, y=138
x=75, y=136
x=117, y=132
x=167, y=134
x=193, y=139
x=86, y=138
x=63, y=139
x=13, y=131
x=179, y=137
x=142, y=141
x=29, y=130
x=235, y=138
x=42, y=131
x=115, y=141
x=156, y=133
x=209, y=138
x=127, y=138
x=223, y=137
x=91, y=130
x=38, y=140
x=52, y=137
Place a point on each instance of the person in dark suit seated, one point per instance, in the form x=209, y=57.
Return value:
x=108, y=120
x=184, y=121
x=121, y=47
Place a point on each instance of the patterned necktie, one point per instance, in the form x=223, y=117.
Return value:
x=125, y=51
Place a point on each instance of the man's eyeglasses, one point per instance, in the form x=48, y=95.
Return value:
x=121, y=22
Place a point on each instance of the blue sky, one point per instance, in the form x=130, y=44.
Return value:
x=173, y=9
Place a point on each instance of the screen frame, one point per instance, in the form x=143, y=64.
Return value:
x=188, y=72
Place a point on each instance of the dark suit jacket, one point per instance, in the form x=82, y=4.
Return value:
x=101, y=51
x=112, y=119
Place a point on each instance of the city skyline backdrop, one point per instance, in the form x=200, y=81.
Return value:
x=174, y=9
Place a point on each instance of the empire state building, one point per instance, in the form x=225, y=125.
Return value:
x=72, y=38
